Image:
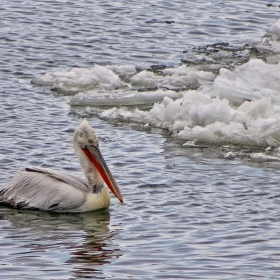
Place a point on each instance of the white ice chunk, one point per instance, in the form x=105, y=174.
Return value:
x=172, y=78
x=79, y=78
x=196, y=116
x=253, y=80
x=117, y=97
x=260, y=157
x=123, y=70
x=275, y=30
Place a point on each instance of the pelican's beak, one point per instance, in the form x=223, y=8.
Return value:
x=95, y=156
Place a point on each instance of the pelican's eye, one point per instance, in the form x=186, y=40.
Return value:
x=90, y=142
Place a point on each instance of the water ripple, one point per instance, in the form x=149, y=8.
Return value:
x=187, y=215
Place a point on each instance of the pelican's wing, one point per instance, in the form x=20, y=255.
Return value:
x=44, y=189
x=62, y=176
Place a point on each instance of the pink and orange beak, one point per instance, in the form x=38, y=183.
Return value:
x=95, y=156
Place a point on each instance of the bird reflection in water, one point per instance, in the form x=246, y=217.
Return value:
x=84, y=240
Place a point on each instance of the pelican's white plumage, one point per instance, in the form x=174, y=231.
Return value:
x=51, y=190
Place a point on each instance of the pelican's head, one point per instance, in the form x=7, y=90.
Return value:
x=85, y=136
x=86, y=145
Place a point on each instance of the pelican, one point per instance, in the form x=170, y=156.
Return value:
x=58, y=191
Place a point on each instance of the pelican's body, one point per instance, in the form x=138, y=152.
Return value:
x=50, y=190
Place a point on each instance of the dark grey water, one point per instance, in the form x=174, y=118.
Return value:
x=187, y=214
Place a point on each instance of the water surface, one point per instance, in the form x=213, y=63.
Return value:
x=187, y=214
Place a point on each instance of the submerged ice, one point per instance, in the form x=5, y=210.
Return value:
x=239, y=106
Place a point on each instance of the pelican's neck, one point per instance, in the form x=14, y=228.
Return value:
x=92, y=175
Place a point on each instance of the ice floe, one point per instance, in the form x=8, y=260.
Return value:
x=239, y=105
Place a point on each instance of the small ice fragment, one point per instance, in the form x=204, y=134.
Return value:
x=228, y=155
x=190, y=144
x=260, y=157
